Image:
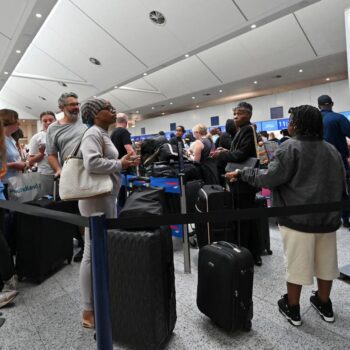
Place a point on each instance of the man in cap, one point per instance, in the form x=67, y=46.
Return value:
x=243, y=147
x=336, y=128
x=61, y=138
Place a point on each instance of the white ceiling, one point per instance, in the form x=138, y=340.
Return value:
x=224, y=52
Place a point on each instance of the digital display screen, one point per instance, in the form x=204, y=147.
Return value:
x=270, y=125
x=214, y=120
x=276, y=112
x=172, y=126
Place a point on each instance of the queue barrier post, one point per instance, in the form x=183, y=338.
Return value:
x=100, y=281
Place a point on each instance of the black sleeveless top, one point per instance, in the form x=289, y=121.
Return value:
x=206, y=149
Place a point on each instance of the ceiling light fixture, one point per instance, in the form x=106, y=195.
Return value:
x=220, y=91
x=197, y=106
x=116, y=87
x=95, y=61
x=38, y=15
x=152, y=107
x=145, y=74
x=300, y=71
x=18, y=51
x=95, y=96
x=255, y=82
x=6, y=73
x=163, y=113
x=157, y=18
x=253, y=26
x=187, y=55
x=137, y=112
x=328, y=79
x=193, y=97
x=171, y=103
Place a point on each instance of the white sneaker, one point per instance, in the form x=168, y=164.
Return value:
x=7, y=297
x=11, y=284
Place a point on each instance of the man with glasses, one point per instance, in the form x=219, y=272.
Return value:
x=61, y=138
x=242, y=148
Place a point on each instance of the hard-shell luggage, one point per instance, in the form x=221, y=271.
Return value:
x=43, y=244
x=214, y=198
x=263, y=227
x=142, y=287
x=225, y=285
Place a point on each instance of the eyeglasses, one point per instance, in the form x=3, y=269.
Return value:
x=73, y=104
x=109, y=108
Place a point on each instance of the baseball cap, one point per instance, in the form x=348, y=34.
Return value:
x=324, y=100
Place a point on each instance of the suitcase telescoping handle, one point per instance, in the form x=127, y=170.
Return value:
x=56, y=181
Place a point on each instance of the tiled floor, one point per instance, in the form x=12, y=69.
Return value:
x=47, y=316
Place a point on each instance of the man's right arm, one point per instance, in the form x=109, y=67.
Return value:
x=54, y=163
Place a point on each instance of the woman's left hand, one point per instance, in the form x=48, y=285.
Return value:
x=231, y=176
x=130, y=160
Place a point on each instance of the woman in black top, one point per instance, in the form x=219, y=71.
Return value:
x=203, y=145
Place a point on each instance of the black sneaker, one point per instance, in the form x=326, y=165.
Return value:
x=79, y=256
x=324, y=309
x=291, y=313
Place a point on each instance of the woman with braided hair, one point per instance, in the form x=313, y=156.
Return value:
x=305, y=170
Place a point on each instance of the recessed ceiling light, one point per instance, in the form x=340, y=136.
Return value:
x=171, y=103
x=6, y=73
x=193, y=97
x=255, y=82
x=163, y=113
x=95, y=61
x=18, y=51
x=137, y=112
x=253, y=26
x=94, y=96
x=38, y=15
x=328, y=79
x=220, y=91
x=300, y=71
x=197, y=106
x=145, y=74
x=187, y=55
x=133, y=125
x=157, y=17
x=152, y=107
x=116, y=87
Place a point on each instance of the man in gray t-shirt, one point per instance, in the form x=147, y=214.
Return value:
x=61, y=138
x=64, y=135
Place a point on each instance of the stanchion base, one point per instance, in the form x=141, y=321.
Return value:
x=345, y=271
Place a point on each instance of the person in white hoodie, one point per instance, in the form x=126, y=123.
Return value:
x=100, y=157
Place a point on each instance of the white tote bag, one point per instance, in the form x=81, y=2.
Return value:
x=77, y=183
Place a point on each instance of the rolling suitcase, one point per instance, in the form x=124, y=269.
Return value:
x=142, y=287
x=214, y=198
x=43, y=244
x=225, y=285
x=263, y=228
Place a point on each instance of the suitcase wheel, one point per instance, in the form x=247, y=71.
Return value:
x=269, y=251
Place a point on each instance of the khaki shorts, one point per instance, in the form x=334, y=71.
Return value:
x=308, y=255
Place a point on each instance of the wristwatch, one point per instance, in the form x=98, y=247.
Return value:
x=239, y=172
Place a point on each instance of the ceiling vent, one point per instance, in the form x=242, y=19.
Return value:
x=207, y=94
x=62, y=84
x=157, y=18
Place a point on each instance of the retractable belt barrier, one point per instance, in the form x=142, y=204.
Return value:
x=99, y=251
x=170, y=219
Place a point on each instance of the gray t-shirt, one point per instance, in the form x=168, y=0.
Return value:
x=62, y=138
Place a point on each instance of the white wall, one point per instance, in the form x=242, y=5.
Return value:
x=339, y=91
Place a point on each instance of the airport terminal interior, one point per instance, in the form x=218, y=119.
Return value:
x=174, y=74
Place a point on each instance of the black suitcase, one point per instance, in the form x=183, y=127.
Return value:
x=192, y=191
x=214, y=198
x=263, y=227
x=225, y=285
x=142, y=287
x=43, y=244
